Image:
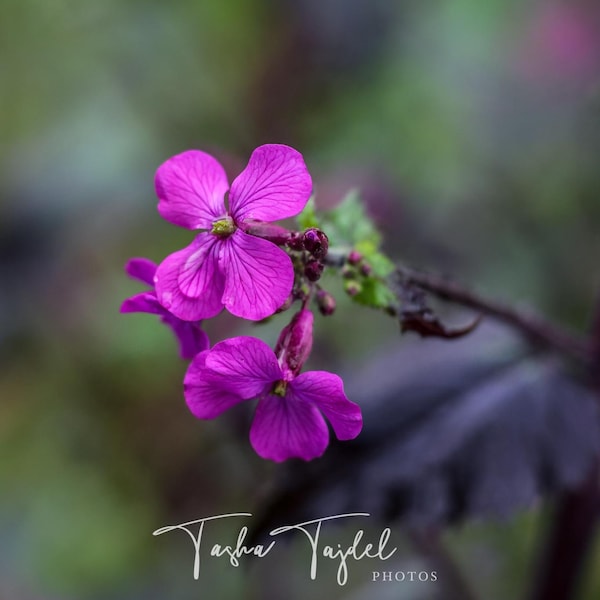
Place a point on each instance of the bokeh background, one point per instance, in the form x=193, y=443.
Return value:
x=473, y=131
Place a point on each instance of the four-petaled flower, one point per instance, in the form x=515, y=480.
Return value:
x=225, y=266
x=288, y=421
x=192, y=339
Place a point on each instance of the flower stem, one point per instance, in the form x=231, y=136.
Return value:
x=534, y=327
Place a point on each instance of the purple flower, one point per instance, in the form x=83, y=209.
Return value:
x=225, y=266
x=190, y=336
x=289, y=419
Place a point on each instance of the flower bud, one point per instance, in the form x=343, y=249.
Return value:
x=354, y=257
x=295, y=342
x=352, y=287
x=296, y=241
x=348, y=272
x=316, y=243
x=313, y=270
x=366, y=269
x=326, y=303
x=268, y=231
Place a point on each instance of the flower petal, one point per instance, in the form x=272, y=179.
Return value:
x=204, y=395
x=275, y=185
x=326, y=391
x=285, y=428
x=189, y=283
x=192, y=338
x=145, y=302
x=191, y=188
x=142, y=269
x=247, y=365
x=258, y=276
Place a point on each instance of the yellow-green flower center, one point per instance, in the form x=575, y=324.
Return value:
x=279, y=388
x=223, y=227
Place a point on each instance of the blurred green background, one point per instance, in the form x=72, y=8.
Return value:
x=473, y=129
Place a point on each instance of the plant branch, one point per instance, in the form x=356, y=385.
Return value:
x=563, y=558
x=563, y=555
x=534, y=327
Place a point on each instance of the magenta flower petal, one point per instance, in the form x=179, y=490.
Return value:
x=258, y=276
x=192, y=338
x=247, y=365
x=204, y=396
x=144, y=302
x=287, y=428
x=326, y=390
x=142, y=269
x=201, y=267
x=275, y=185
x=191, y=188
x=189, y=283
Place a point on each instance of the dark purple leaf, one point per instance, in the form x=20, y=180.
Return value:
x=475, y=428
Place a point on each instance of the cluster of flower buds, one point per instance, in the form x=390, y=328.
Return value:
x=355, y=269
x=316, y=245
x=312, y=246
x=309, y=250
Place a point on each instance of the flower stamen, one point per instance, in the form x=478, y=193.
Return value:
x=279, y=388
x=223, y=227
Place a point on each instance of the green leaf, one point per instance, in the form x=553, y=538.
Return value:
x=348, y=224
x=375, y=293
x=382, y=266
x=308, y=217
